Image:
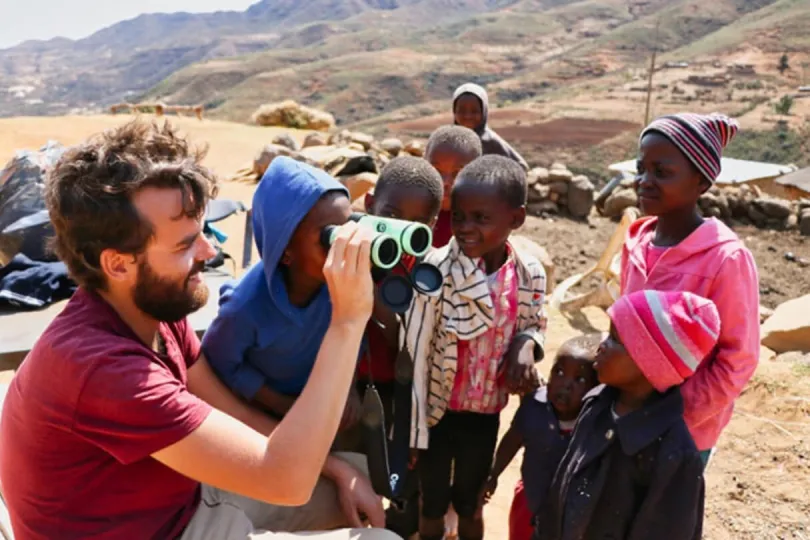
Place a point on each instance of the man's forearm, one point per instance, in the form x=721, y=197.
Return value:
x=301, y=442
x=275, y=402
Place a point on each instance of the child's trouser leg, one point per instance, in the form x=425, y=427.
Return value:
x=435, y=466
x=520, y=517
x=476, y=436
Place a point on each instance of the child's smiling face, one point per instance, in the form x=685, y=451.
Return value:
x=482, y=219
x=666, y=180
x=468, y=111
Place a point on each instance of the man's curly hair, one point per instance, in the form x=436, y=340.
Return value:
x=90, y=190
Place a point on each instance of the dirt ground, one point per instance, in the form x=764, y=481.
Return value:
x=758, y=480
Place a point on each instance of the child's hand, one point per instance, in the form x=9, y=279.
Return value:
x=488, y=490
x=352, y=412
x=521, y=376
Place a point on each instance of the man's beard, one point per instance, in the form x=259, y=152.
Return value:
x=166, y=300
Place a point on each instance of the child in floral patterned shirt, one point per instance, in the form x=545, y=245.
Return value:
x=473, y=343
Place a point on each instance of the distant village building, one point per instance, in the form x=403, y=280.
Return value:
x=796, y=184
x=735, y=172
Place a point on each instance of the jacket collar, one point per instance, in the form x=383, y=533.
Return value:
x=634, y=431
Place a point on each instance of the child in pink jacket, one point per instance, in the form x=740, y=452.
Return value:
x=676, y=249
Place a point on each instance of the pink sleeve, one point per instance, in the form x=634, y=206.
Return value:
x=735, y=292
x=132, y=406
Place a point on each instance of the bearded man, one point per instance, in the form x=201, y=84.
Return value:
x=115, y=426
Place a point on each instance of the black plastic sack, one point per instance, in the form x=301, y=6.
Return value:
x=24, y=224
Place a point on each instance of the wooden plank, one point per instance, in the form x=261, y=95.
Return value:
x=19, y=330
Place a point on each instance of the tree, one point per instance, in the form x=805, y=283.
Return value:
x=783, y=64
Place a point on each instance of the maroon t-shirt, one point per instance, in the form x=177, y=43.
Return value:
x=87, y=408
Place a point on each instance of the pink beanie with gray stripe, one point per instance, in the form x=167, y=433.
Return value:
x=667, y=334
x=701, y=138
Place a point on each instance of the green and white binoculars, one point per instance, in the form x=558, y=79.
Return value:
x=394, y=237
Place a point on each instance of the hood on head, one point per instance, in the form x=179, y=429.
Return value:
x=481, y=94
x=285, y=194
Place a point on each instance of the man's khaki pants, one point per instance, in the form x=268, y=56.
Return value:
x=225, y=516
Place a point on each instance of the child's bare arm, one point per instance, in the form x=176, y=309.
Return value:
x=511, y=442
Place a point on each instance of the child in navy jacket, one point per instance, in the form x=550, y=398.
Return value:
x=632, y=470
x=542, y=426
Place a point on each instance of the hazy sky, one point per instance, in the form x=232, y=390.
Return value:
x=21, y=20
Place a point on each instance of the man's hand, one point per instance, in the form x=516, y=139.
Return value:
x=521, y=375
x=352, y=412
x=357, y=498
x=348, y=275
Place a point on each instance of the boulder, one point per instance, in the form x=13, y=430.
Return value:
x=359, y=184
x=560, y=175
x=530, y=247
x=557, y=165
x=538, y=192
x=773, y=208
x=788, y=329
x=315, y=139
x=293, y=115
x=559, y=187
x=268, y=154
x=792, y=222
x=580, y=197
x=340, y=160
x=618, y=201
x=538, y=175
x=392, y=145
x=362, y=139
x=285, y=139
x=414, y=148
x=804, y=204
x=340, y=138
x=804, y=222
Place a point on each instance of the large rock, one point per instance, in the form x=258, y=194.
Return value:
x=580, y=197
x=363, y=139
x=788, y=329
x=293, y=115
x=538, y=192
x=561, y=188
x=340, y=138
x=392, y=145
x=414, y=148
x=560, y=175
x=804, y=222
x=618, y=201
x=268, y=154
x=340, y=160
x=315, y=139
x=773, y=208
x=538, y=175
x=285, y=139
x=530, y=247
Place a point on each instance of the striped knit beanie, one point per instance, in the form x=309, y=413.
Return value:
x=667, y=334
x=700, y=137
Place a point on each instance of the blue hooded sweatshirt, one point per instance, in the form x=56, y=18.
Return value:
x=259, y=337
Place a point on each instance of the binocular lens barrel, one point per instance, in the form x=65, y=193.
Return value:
x=414, y=238
x=385, y=251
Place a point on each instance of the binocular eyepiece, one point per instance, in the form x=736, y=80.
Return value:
x=394, y=237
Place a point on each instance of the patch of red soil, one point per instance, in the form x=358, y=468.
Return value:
x=520, y=126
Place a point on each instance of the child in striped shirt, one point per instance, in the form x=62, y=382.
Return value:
x=473, y=343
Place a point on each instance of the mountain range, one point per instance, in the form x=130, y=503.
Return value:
x=381, y=59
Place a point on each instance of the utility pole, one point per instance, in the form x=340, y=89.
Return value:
x=652, y=72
